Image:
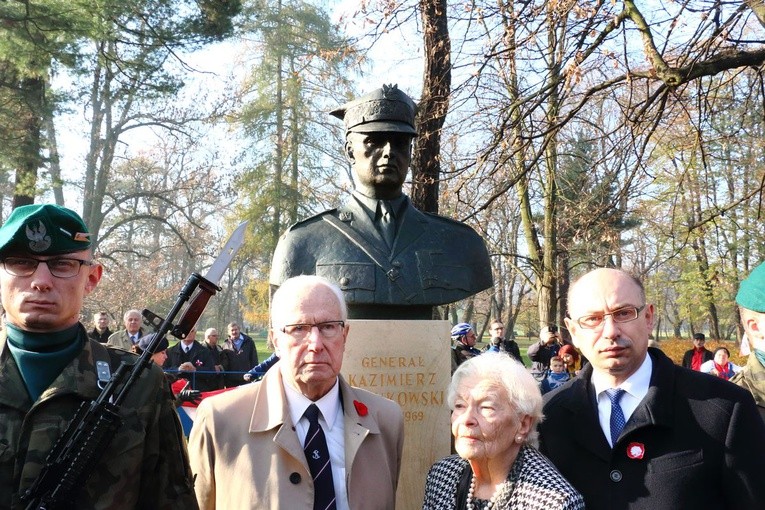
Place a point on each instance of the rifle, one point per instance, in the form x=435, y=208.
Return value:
x=74, y=455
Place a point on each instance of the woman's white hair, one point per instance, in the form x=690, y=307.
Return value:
x=522, y=389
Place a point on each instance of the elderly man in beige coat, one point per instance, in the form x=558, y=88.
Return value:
x=246, y=446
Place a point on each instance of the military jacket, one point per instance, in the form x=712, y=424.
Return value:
x=145, y=465
x=752, y=378
x=433, y=260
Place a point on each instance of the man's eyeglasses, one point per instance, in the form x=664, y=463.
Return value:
x=60, y=267
x=327, y=330
x=595, y=320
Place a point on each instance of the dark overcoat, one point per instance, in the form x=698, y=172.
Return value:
x=695, y=441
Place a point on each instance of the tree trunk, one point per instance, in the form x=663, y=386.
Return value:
x=33, y=97
x=434, y=104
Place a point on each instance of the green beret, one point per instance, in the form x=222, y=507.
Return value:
x=383, y=110
x=45, y=229
x=751, y=292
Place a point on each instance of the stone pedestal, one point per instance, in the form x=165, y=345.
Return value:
x=409, y=362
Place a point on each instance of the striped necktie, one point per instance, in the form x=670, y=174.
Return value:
x=317, y=455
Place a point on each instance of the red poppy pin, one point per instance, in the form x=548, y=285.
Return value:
x=360, y=408
x=635, y=450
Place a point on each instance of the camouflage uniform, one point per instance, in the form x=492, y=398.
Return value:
x=146, y=464
x=752, y=377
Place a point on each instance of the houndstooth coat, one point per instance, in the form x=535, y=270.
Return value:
x=538, y=485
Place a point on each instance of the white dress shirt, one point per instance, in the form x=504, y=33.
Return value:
x=636, y=388
x=331, y=421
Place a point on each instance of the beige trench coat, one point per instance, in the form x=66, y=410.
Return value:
x=245, y=453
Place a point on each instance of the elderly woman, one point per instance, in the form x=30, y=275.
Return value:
x=496, y=405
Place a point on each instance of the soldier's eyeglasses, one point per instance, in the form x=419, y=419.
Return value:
x=595, y=320
x=60, y=267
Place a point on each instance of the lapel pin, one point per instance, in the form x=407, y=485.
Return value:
x=635, y=450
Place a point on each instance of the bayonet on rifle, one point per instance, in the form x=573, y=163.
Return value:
x=86, y=438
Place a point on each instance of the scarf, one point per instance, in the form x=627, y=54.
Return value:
x=698, y=358
x=724, y=371
x=556, y=380
x=760, y=355
x=42, y=356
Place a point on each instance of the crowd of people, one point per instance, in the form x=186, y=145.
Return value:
x=666, y=429
x=619, y=427
x=207, y=365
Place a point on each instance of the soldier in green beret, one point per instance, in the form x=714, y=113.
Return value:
x=48, y=368
x=751, y=303
x=391, y=260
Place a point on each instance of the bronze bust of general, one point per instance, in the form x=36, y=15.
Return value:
x=391, y=260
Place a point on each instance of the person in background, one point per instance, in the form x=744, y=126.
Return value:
x=100, y=331
x=211, y=344
x=493, y=345
x=186, y=393
x=541, y=352
x=496, y=405
x=48, y=369
x=634, y=430
x=720, y=365
x=694, y=358
x=301, y=438
x=508, y=345
x=557, y=376
x=127, y=338
x=239, y=355
x=189, y=357
x=463, y=344
x=571, y=359
x=751, y=305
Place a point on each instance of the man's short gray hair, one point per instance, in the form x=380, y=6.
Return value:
x=131, y=312
x=289, y=287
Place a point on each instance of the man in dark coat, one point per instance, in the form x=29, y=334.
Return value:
x=100, y=332
x=193, y=363
x=238, y=356
x=391, y=260
x=507, y=345
x=211, y=344
x=699, y=355
x=668, y=437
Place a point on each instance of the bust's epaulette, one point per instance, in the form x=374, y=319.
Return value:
x=310, y=219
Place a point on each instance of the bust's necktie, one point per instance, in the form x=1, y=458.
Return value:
x=617, y=415
x=317, y=455
x=387, y=222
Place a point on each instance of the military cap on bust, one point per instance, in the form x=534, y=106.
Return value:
x=383, y=110
x=751, y=292
x=44, y=229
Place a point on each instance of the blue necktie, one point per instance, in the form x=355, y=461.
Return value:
x=317, y=455
x=617, y=415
